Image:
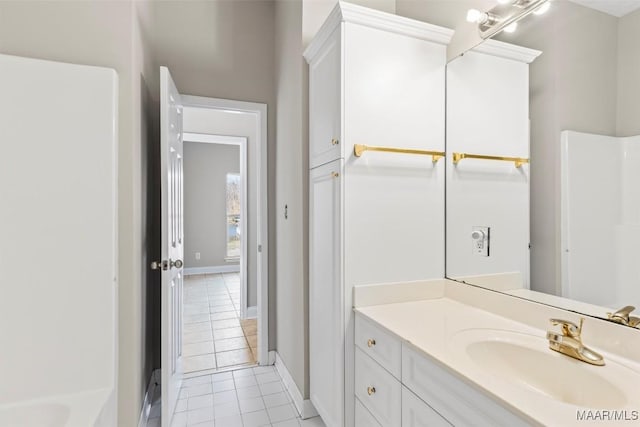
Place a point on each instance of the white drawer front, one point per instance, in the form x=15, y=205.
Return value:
x=458, y=402
x=378, y=390
x=380, y=345
x=416, y=413
x=364, y=417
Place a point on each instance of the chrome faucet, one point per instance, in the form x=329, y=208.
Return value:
x=569, y=342
x=623, y=317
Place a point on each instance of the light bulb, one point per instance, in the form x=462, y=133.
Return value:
x=511, y=28
x=473, y=15
x=542, y=9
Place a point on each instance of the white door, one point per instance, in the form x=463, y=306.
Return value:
x=172, y=243
x=326, y=302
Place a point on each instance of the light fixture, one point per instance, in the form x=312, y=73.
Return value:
x=473, y=15
x=503, y=16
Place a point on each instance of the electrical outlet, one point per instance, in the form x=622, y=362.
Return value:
x=480, y=240
x=197, y=256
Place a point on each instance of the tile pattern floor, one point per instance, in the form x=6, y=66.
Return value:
x=246, y=397
x=214, y=336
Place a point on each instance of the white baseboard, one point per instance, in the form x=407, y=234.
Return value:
x=212, y=270
x=154, y=382
x=304, y=407
x=252, y=312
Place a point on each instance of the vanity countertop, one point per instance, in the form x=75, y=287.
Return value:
x=441, y=327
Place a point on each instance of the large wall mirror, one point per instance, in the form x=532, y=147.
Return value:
x=563, y=229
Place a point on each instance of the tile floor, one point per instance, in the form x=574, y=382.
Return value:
x=246, y=397
x=214, y=336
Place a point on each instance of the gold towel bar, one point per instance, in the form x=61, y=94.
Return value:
x=518, y=161
x=358, y=149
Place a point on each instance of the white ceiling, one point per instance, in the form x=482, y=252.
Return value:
x=612, y=7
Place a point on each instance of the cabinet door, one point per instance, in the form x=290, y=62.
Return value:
x=364, y=417
x=324, y=103
x=416, y=413
x=326, y=319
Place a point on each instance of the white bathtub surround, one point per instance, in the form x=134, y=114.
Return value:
x=91, y=408
x=59, y=241
x=606, y=187
x=455, y=322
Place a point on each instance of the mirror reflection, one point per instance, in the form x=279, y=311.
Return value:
x=543, y=153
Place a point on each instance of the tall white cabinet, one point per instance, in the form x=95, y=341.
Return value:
x=379, y=80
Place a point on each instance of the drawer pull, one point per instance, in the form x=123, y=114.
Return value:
x=334, y=174
x=335, y=142
x=371, y=390
x=371, y=343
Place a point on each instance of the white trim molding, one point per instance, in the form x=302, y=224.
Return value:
x=303, y=406
x=507, y=51
x=348, y=12
x=212, y=270
x=154, y=382
x=252, y=312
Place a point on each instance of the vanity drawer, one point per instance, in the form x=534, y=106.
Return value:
x=364, y=417
x=416, y=413
x=378, y=390
x=382, y=346
x=454, y=399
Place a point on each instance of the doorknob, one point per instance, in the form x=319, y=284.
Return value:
x=165, y=265
x=159, y=265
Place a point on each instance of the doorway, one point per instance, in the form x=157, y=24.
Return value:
x=219, y=331
x=225, y=291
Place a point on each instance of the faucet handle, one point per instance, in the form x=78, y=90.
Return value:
x=569, y=329
x=622, y=315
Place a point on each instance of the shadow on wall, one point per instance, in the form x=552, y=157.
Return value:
x=151, y=250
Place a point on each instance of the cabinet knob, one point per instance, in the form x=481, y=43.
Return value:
x=335, y=142
x=371, y=390
x=371, y=343
x=334, y=174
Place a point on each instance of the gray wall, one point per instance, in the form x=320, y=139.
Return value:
x=291, y=190
x=205, y=212
x=628, y=73
x=109, y=34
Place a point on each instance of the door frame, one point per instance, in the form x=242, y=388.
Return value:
x=241, y=143
x=259, y=147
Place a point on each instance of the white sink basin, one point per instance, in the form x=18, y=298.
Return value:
x=526, y=361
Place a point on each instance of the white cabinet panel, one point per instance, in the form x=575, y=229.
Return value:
x=364, y=417
x=382, y=346
x=457, y=401
x=326, y=318
x=394, y=89
x=378, y=390
x=325, y=103
x=416, y=413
